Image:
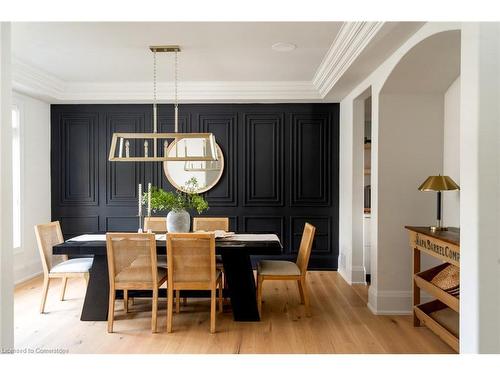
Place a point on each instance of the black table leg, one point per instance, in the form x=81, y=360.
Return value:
x=241, y=285
x=95, y=306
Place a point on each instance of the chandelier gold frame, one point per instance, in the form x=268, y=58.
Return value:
x=119, y=138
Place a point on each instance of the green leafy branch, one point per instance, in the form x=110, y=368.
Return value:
x=162, y=200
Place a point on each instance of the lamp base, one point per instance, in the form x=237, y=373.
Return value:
x=438, y=229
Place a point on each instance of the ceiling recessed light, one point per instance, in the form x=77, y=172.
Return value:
x=283, y=47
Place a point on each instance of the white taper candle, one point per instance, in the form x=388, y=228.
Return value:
x=140, y=200
x=149, y=199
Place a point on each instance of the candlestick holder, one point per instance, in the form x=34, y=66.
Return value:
x=140, y=224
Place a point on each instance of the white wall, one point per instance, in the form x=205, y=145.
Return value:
x=451, y=153
x=480, y=192
x=410, y=148
x=6, y=278
x=351, y=190
x=35, y=181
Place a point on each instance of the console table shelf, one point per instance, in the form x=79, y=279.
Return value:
x=442, y=314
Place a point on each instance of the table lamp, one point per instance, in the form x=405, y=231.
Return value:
x=439, y=184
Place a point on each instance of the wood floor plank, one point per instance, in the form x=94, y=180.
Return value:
x=340, y=323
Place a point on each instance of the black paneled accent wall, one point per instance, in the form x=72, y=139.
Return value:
x=281, y=170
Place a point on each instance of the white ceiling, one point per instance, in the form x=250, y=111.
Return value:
x=93, y=62
x=429, y=67
x=117, y=52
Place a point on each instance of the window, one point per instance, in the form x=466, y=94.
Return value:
x=16, y=177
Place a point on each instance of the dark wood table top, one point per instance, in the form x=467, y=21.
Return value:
x=266, y=247
x=452, y=235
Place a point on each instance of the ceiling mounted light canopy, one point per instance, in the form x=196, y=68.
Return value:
x=135, y=147
x=283, y=47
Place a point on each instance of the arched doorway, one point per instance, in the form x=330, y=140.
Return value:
x=409, y=133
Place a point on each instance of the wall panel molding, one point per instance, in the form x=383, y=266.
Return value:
x=74, y=225
x=263, y=159
x=78, y=159
x=323, y=237
x=122, y=178
x=310, y=156
x=281, y=169
x=224, y=127
x=265, y=224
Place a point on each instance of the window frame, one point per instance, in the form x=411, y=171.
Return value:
x=17, y=132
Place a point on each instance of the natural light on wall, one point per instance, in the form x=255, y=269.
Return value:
x=16, y=177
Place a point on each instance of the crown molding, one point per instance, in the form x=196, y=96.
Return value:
x=347, y=46
x=192, y=91
x=35, y=82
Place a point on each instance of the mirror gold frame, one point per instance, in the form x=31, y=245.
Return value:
x=204, y=189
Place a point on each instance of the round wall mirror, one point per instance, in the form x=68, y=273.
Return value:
x=207, y=173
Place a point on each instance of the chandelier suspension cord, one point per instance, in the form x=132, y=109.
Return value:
x=176, y=113
x=155, y=112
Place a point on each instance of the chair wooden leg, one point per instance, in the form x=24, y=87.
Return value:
x=45, y=289
x=220, y=296
x=306, y=296
x=111, y=310
x=260, y=281
x=177, y=301
x=170, y=307
x=64, y=282
x=301, y=292
x=125, y=301
x=212, y=310
x=154, y=318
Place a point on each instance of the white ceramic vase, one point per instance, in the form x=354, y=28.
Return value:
x=178, y=221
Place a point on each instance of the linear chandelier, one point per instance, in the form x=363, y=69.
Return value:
x=122, y=148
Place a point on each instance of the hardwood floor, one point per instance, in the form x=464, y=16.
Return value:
x=340, y=323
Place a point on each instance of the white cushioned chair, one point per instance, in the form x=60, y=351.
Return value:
x=48, y=235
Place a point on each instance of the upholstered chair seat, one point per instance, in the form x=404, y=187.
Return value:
x=136, y=274
x=79, y=265
x=278, y=268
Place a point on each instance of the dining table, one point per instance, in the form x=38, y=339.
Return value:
x=235, y=251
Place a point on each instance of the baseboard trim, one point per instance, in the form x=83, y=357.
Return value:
x=358, y=275
x=342, y=273
x=389, y=302
x=27, y=278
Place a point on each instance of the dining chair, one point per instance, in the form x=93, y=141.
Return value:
x=191, y=266
x=156, y=224
x=286, y=270
x=47, y=236
x=132, y=264
x=210, y=224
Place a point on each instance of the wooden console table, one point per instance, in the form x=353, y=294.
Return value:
x=441, y=315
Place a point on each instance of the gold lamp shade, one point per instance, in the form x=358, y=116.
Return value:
x=438, y=183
